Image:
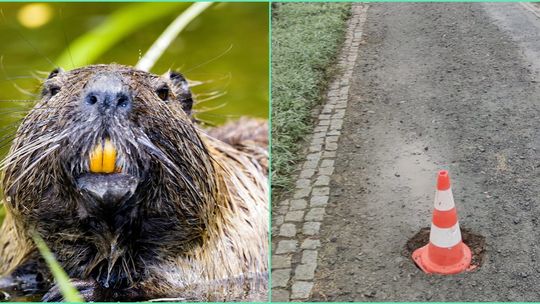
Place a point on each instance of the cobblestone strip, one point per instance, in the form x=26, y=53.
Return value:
x=295, y=231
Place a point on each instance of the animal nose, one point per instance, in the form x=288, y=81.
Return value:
x=106, y=93
x=108, y=99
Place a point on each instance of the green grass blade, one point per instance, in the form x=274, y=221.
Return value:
x=156, y=50
x=89, y=47
x=70, y=293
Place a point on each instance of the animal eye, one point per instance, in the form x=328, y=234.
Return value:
x=50, y=90
x=163, y=93
x=54, y=90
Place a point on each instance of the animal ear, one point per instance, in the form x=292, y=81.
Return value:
x=181, y=90
x=55, y=72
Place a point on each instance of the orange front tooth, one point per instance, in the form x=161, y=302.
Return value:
x=96, y=159
x=109, y=157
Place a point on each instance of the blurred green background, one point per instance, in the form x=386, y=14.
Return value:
x=226, y=48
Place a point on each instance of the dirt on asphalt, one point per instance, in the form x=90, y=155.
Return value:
x=437, y=86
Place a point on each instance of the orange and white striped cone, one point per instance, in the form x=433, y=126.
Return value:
x=446, y=253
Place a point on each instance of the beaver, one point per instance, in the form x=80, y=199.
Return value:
x=135, y=200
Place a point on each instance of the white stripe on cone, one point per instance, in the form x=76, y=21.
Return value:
x=445, y=237
x=444, y=200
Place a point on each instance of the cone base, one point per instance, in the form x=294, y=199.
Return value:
x=422, y=259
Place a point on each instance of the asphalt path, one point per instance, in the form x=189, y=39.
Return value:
x=437, y=86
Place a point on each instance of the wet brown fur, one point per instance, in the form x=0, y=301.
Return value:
x=221, y=212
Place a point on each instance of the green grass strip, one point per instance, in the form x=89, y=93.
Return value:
x=306, y=39
x=70, y=293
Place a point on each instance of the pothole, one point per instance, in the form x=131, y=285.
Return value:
x=476, y=243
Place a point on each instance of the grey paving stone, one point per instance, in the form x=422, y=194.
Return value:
x=311, y=228
x=329, y=154
x=310, y=164
x=337, y=124
x=320, y=129
x=286, y=246
x=320, y=191
x=308, y=257
x=282, y=209
x=319, y=135
x=323, y=180
x=310, y=244
x=327, y=163
x=334, y=132
x=335, y=91
x=287, y=230
x=278, y=220
x=315, y=215
x=303, y=183
x=305, y=272
x=317, y=141
x=333, y=101
x=281, y=261
x=307, y=173
x=280, y=277
x=326, y=171
x=339, y=113
x=341, y=105
x=331, y=139
x=301, y=193
x=280, y=295
x=294, y=216
x=326, y=110
x=319, y=201
x=315, y=148
x=301, y=290
x=299, y=204
x=331, y=147
x=314, y=156
x=324, y=122
x=324, y=116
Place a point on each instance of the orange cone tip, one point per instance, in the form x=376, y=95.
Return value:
x=443, y=180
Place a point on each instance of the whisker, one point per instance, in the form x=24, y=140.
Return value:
x=206, y=122
x=219, y=115
x=19, y=100
x=7, y=139
x=41, y=79
x=31, y=148
x=2, y=67
x=7, y=142
x=208, y=109
x=210, y=80
x=8, y=127
x=211, y=60
x=36, y=162
x=24, y=91
x=11, y=78
x=211, y=97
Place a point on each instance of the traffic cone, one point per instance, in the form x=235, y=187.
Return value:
x=446, y=253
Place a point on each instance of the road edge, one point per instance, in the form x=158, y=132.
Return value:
x=296, y=225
